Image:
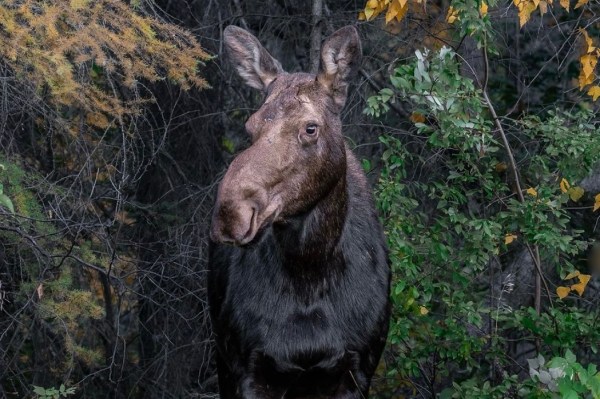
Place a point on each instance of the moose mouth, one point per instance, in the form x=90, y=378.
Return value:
x=242, y=226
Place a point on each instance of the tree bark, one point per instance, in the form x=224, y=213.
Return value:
x=316, y=35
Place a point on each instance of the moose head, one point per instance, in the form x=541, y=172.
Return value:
x=297, y=154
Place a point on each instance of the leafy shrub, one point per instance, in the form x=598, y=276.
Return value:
x=457, y=218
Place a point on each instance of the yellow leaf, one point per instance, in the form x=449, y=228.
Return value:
x=402, y=13
x=389, y=15
x=594, y=92
x=452, y=15
x=584, y=278
x=588, y=64
x=564, y=185
x=564, y=4
x=362, y=16
x=575, y=193
x=588, y=41
x=572, y=275
x=483, y=9
x=423, y=310
x=509, y=238
x=581, y=3
x=585, y=80
x=525, y=7
x=596, y=202
x=393, y=10
x=417, y=117
x=369, y=13
x=579, y=287
x=544, y=7
x=532, y=191
x=372, y=4
x=501, y=167
x=562, y=292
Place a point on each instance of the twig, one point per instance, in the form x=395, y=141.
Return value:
x=534, y=251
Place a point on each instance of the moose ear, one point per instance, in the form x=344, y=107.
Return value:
x=340, y=58
x=253, y=63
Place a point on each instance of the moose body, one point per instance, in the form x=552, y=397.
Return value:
x=300, y=302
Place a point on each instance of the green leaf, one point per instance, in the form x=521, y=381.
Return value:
x=570, y=357
x=228, y=144
x=39, y=390
x=7, y=203
x=366, y=165
x=594, y=385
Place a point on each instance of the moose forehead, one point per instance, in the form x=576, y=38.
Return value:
x=294, y=97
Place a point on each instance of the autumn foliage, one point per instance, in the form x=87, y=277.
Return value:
x=81, y=51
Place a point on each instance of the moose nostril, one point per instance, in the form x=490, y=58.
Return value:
x=235, y=224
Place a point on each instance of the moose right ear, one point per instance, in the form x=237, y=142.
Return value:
x=251, y=60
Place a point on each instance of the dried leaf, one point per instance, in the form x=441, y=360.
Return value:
x=572, y=275
x=585, y=80
x=483, y=9
x=402, y=13
x=575, y=193
x=579, y=287
x=452, y=15
x=594, y=92
x=588, y=64
x=588, y=41
x=501, y=167
x=584, y=278
x=417, y=117
x=581, y=3
x=596, y=202
x=565, y=4
x=564, y=185
x=509, y=238
x=562, y=292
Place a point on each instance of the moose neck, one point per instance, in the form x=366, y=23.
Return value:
x=309, y=242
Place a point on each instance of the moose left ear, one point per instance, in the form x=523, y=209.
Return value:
x=340, y=58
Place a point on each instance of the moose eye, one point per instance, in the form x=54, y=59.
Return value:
x=311, y=129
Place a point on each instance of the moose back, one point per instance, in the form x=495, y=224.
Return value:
x=299, y=276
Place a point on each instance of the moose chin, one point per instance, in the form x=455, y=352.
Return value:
x=299, y=277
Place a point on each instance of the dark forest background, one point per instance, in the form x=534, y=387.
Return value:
x=103, y=261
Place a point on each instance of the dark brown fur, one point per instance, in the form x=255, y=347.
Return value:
x=299, y=303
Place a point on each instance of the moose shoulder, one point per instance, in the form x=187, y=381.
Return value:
x=299, y=276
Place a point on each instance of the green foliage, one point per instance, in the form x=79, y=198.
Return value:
x=53, y=393
x=4, y=200
x=448, y=227
x=66, y=304
x=561, y=377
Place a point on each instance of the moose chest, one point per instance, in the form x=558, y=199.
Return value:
x=292, y=331
x=282, y=315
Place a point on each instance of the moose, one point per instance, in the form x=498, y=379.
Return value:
x=298, y=283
